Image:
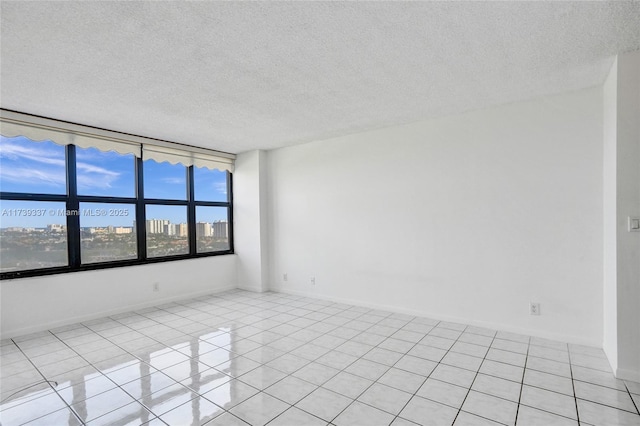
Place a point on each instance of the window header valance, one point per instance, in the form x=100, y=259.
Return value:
x=39, y=133
x=14, y=124
x=188, y=158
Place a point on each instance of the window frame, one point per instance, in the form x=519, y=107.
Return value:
x=72, y=202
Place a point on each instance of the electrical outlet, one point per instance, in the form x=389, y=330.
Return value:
x=285, y=277
x=156, y=286
x=313, y=280
x=534, y=308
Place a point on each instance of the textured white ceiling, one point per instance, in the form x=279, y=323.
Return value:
x=239, y=76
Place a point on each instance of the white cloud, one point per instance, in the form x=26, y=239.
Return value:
x=173, y=181
x=31, y=165
x=18, y=152
x=91, y=176
x=221, y=187
x=28, y=165
x=90, y=168
x=33, y=176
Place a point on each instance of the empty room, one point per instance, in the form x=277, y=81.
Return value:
x=320, y=213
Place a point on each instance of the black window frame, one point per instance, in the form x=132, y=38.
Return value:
x=72, y=202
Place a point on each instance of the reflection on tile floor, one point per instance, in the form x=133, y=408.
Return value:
x=238, y=358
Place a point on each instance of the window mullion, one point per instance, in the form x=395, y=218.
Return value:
x=141, y=217
x=230, y=209
x=73, y=209
x=191, y=211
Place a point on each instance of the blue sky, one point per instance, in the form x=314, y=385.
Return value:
x=39, y=167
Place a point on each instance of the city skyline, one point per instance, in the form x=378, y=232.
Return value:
x=55, y=227
x=33, y=248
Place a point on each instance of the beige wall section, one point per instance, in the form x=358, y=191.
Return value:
x=467, y=218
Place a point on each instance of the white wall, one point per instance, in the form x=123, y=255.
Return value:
x=34, y=304
x=468, y=217
x=628, y=196
x=622, y=199
x=250, y=228
x=609, y=180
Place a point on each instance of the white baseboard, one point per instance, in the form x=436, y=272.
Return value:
x=491, y=325
x=80, y=318
x=630, y=375
x=255, y=289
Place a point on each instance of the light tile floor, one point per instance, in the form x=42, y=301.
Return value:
x=238, y=357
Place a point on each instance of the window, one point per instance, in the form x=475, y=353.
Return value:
x=33, y=235
x=107, y=232
x=32, y=167
x=105, y=173
x=164, y=180
x=210, y=185
x=72, y=200
x=212, y=229
x=167, y=230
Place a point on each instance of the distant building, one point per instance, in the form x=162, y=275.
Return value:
x=221, y=229
x=122, y=230
x=20, y=229
x=204, y=229
x=156, y=226
x=169, y=229
x=54, y=227
x=182, y=230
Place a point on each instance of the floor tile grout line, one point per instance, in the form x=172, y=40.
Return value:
x=152, y=338
x=353, y=318
x=119, y=386
x=359, y=330
x=93, y=364
x=389, y=367
x=244, y=306
x=48, y=382
x=309, y=361
x=362, y=331
x=575, y=396
x=242, y=338
x=472, y=382
x=537, y=387
x=90, y=364
x=344, y=368
x=289, y=374
x=102, y=374
x=426, y=378
x=290, y=406
x=285, y=352
x=152, y=319
x=357, y=359
x=478, y=372
x=524, y=372
x=633, y=401
x=450, y=339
